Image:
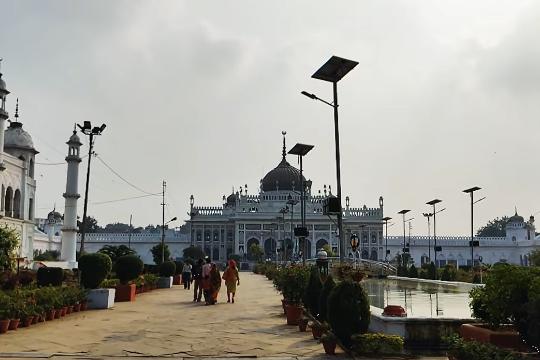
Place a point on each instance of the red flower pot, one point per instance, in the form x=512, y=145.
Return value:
x=284, y=303
x=63, y=311
x=177, y=280
x=4, y=325
x=294, y=314
x=69, y=309
x=329, y=347
x=84, y=306
x=28, y=321
x=50, y=315
x=125, y=293
x=76, y=307
x=35, y=319
x=316, y=331
x=507, y=337
x=57, y=313
x=302, y=325
x=14, y=324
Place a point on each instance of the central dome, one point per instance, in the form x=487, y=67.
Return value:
x=283, y=177
x=16, y=138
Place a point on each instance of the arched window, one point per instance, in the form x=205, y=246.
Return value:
x=250, y=242
x=17, y=204
x=320, y=244
x=2, y=200
x=30, y=209
x=9, y=202
x=31, y=169
x=270, y=248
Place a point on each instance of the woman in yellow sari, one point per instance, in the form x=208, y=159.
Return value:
x=230, y=275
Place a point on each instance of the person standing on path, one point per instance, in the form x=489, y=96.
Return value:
x=186, y=275
x=232, y=279
x=206, y=280
x=196, y=274
x=215, y=284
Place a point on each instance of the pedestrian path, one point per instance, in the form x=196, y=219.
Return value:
x=167, y=323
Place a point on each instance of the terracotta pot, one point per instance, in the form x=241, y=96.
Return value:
x=177, y=280
x=302, y=325
x=506, y=337
x=63, y=311
x=57, y=313
x=28, y=321
x=284, y=303
x=4, y=325
x=76, y=307
x=14, y=324
x=125, y=293
x=329, y=347
x=35, y=319
x=294, y=314
x=50, y=315
x=84, y=306
x=316, y=331
x=69, y=309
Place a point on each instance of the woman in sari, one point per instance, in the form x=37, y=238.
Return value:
x=215, y=284
x=230, y=275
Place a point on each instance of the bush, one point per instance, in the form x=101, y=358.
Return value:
x=47, y=255
x=115, y=252
x=377, y=343
x=413, y=272
x=472, y=350
x=293, y=281
x=128, y=267
x=432, y=271
x=448, y=273
x=313, y=292
x=348, y=310
x=168, y=268
x=94, y=269
x=157, y=253
x=50, y=276
x=328, y=286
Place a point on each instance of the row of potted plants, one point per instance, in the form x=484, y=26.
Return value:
x=24, y=307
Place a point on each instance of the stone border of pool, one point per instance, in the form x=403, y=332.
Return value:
x=435, y=282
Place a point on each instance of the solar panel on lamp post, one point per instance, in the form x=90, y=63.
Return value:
x=301, y=150
x=472, y=242
x=333, y=71
x=386, y=219
x=436, y=248
x=403, y=212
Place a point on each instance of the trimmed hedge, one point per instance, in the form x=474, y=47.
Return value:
x=128, y=267
x=50, y=276
x=327, y=288
x=94, y=269
x=313, y=292
x=168, y=268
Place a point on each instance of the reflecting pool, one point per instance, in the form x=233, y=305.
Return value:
x=420, y=299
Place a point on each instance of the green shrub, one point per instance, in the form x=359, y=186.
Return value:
x=150, y=279
x=168, y=268
x=109, y=283
x=377, y=344
x=128, y=267
x=448, y=273
x=94, y=269
x=293, y=282
x=50, y=276
x=348, y=310
x=472, y=350
x=328, y=286
x=313, y=292
x=432, y=271
x=159, y=252
x=413, y=272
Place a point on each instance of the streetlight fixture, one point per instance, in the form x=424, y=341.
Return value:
x=436, y=248
x=301, y=150
x=473, y=243
x=163, y=239
x=333, y=71
x=191, y=203
x=87, y=129
x=403, y=212
x=354, y=247
x=428, y=217
x=386, y=219
x=291, y=201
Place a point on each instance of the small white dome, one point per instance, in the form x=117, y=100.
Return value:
x=16, y=138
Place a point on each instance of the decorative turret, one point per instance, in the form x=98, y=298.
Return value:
x=69, y=230
x=3, y=117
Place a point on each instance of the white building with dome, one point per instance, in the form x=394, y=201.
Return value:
x=18, y=186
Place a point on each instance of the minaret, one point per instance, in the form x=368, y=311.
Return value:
x=3, y=117
x=69, y=230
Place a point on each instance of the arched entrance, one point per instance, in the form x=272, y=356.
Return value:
x=270, y=248
x=320, y=244
x=365, y=254
x=252, y=241
x=373, y=255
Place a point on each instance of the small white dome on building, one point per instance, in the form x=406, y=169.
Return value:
x=17, y=138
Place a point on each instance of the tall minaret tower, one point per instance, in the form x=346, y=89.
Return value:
x=69, y=230
x=3, y=116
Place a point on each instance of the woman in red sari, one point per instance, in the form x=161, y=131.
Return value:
x=215, y=284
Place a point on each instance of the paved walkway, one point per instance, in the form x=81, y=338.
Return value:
x=166, y=323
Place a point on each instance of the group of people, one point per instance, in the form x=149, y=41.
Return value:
x=206, y=280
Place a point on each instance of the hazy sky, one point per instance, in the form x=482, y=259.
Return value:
x=446, y=96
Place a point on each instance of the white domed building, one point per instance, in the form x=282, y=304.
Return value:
x=17, y=183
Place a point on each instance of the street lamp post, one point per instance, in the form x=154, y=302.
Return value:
x=386, y=219
x=163, y=239
x=428, y=217
x=291, y=201
x=191, y=203
x=436, y=248
x=301, y=150
x=403, y=212
x=87, y=129
x=473, y=243
x=333, y=71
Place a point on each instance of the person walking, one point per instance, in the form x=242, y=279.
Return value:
x=186, y=275
x=206, y=269
x=232, y=279
x=215, y=284
x=196, y=274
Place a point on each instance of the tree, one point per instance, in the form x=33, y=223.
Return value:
x=193, y=252
x=115, y=252
x=9, y=241
x=236, y=257
x=91, y=225
x=256, y=252
x=47, y=255
x=534, y=257
x=156, y=253
x=117, y=228
x=329, y=251
x=494, y=228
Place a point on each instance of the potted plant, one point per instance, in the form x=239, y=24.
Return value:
x=377, y=344
x=294, y=281
x=318, y=329
x=94, y=269
x=166, y=272
x=329, y=342
x=5, y=306
x=177, y=279
x=128, y=268
x=302, y=324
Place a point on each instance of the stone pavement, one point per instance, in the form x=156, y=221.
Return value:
x=166, y=323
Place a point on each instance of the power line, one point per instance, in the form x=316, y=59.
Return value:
x=123, y=179
x=111, y=201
